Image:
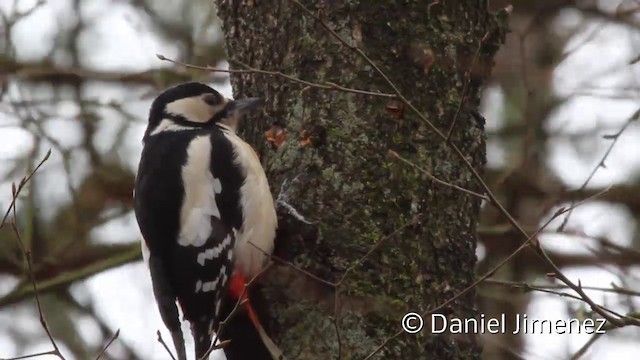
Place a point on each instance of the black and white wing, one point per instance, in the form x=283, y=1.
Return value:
x=188, y=218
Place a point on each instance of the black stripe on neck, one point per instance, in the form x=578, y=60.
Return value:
x=181, y=120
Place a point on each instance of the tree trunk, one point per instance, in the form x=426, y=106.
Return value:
x=334, y=168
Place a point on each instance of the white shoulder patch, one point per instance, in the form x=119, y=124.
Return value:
x=200, y=188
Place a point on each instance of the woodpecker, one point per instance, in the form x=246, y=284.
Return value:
x=204, y=208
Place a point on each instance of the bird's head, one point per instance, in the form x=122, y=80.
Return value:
x=196, y=105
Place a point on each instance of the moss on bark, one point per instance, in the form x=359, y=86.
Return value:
x=346, y=183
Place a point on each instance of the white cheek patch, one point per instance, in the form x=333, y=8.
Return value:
x=199, y=203
x=193, y=109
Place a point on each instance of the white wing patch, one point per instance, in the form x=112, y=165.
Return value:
x=215, y=251
x=199, y=194
x=254, y=242
x=207, y=286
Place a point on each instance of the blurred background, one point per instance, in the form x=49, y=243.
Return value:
x=78, y=76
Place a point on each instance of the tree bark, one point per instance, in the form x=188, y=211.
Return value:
x=334, y=167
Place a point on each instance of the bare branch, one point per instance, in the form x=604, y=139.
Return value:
x=586, y=346
x=435, y=179
x=601, y=163
x=27, y=254
x=241, y=302
x=543, y=287
x=478, y=178
x=467, y=80
x=248, y=69
x=164, y=344
x=104, y=349
x=21, y=185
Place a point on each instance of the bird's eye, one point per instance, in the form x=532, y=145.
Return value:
x=212, y=99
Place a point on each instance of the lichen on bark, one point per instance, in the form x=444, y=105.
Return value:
x=346, y=183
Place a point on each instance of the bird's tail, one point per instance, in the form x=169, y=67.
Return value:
x=201, y=331
x=249, y=339
x=178, y=342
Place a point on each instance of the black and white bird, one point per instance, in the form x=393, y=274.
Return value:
x=203, y=205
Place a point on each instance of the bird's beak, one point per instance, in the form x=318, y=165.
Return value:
x=248, y=104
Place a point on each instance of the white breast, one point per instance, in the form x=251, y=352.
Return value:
x=254, y=242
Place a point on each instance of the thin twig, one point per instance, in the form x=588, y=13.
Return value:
x=487, y=274
x=471, y=168
x=435, y=179
x=415, y=220
x=527, y=287
x=523, y=285
x=302, y=271
x=104, y=349
x=250, y=70
x=164, y=344
x=337, y=286
x=336, y=319
x=44, y=353
x=21, y=185
x=586, y=346
x=601, y=163
x=605, y=313
x=239, y=303
x=467, y=80
x=423, y=118
x=15, y=191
